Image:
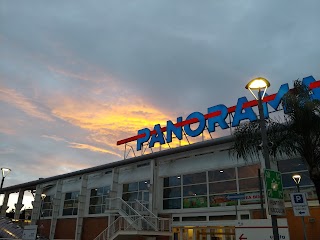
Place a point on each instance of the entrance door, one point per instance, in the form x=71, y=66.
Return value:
x=204, y=233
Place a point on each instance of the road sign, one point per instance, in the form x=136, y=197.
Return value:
x=235, y=196
x=300, y=204
x=298, y=199
x=274, y=191
x=260, y=229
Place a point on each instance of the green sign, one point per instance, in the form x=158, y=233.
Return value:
x=274, y=192
x=273, y=184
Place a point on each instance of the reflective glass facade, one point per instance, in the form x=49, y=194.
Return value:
x=211, y=188
x=98, y=198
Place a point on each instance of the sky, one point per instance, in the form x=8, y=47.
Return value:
x=77, y=76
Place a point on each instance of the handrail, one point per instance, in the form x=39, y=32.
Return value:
x=131, y=219
x=145, y=208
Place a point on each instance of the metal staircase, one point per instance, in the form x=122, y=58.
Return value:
x=133, y=220
x=9, y=230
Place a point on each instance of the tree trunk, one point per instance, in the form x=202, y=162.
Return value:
x=315, y=177
x=317, y=185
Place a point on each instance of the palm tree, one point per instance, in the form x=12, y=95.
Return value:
x=298, y=134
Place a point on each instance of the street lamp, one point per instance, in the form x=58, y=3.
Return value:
x=261, y=85
x=297, y=178
x=5, y=172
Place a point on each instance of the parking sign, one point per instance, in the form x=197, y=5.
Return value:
x=300, y=204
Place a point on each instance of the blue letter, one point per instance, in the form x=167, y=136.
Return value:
x=140, y=141
x=276, y=101
x=240, y=114
x=220, y=119
x=202, y=124
x=316, y=91
x=158, y=137
x=176, y=130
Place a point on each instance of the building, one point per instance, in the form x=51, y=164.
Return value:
x=186, y=188
x=194, y=192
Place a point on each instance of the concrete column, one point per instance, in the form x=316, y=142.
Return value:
x=81, y=206
x=19, y=205
x=36, y=205
x=153, y=191
x=4, y=206
x=115, y=184
x=55, y=209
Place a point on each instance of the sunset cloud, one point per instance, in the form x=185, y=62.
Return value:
x=19, y=101
x=82, y=145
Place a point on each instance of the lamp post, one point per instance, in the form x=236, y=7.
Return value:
x=5, y=172
x=261, y=85
x=43, y=196
x=297, y=178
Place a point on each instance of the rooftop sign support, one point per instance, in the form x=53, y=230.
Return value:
x=216, y=116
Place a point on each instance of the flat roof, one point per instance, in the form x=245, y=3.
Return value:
x=32, y=184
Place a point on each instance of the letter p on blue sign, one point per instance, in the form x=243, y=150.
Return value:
x=298, y=198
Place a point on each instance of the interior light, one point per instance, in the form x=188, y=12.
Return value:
x=221, y=171
x=178, y=177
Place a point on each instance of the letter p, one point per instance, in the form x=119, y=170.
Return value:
x=142, y=139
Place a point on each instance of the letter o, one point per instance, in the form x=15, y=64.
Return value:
x=200, y=128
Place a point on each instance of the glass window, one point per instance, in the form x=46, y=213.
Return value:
x=223, y=187
x=222, y=174
x=70, y=205
x=172, y=203
x=194, y=178
x=136, y=191
x=224, y=217
x=195, y=202
x=144, y=185
x=98, y=198
x=194, y=190
x=172, y=181
x=46, y=208
x=249, y=184
x=198, y=218
x=130, y=197
x=291, y=165
x=172, y=192
x=248, y=171
x=130, y=187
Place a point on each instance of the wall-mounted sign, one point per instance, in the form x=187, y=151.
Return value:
x=216, y=115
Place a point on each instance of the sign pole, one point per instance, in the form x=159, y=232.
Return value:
x=302, y=218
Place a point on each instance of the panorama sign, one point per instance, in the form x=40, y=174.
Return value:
x=216, y=115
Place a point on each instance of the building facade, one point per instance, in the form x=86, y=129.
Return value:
x=182, y=194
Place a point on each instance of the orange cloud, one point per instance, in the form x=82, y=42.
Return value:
x=92, y=148
x=82, y=145
x=21, y=102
